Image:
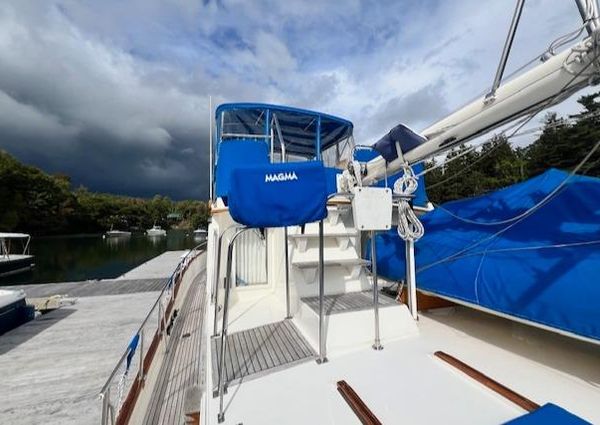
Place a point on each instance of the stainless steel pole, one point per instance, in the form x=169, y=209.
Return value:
x=287, y=275
x=410, y=278
x=591, y=22
x=223, y=346
x=377, y=344
x=141, y=365
x=322, y=354
x=507, y=46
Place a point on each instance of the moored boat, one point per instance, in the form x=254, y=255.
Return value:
x=13, y=260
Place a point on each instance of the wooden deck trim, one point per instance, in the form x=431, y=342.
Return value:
x=485, y=380
x=364, y=414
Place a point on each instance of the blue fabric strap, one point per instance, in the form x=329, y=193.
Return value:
x=277, y=195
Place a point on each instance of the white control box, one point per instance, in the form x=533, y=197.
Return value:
x=372, y=208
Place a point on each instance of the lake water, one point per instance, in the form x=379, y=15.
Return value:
x=82, y=257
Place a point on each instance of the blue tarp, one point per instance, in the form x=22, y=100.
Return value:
x=277, y=195
x=548, y=414
x=543, y=268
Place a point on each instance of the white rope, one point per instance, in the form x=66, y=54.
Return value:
x=409, y=226
x=121, y=389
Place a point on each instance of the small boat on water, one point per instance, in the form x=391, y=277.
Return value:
x=200, y=234
x=116, y=233
x=156, y=231
x=12, y=262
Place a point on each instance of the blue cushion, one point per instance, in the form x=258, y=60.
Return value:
x=548, y=414
x=237, y=153
x=277, y=195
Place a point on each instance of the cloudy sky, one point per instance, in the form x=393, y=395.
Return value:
x=115, y=93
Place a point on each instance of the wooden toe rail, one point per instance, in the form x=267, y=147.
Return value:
x=493, y=385
x=361, y=410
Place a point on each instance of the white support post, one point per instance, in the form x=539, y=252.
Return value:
x=411, y=282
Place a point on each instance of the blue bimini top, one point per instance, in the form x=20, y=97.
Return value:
x=305, y=133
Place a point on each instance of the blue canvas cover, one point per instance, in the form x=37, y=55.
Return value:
x=543, y=268
x=548, y=414
x=277, y=195
x=234, y=154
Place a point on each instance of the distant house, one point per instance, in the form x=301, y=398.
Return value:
x=174, y=216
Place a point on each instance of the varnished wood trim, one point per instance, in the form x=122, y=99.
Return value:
x=361, y=410
x=493, y=385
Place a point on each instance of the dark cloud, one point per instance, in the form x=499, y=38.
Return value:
x=115, y=93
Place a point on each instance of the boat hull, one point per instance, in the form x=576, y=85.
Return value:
x=16, y=264
x=13, y=310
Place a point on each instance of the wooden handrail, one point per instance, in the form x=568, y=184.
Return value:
x=493, y=385
x=361, y=410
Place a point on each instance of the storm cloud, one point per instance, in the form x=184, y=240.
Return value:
x=116, y=93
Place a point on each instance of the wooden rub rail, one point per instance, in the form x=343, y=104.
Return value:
x=359, y=407
x=495, y=386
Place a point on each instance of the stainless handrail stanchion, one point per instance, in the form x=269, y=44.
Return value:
x=105, y=401
x=218, y=272
x=223, y=345
x=287, y=275
x=377, y=344
x=141, y=368
x=322, y=354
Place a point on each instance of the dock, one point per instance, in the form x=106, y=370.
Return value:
x=54, y=366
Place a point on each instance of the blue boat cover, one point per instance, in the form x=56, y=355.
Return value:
x=542, y=268
x=408, y=139
x=234, y=154
x=277, y=195
x=548, y=414
x=365, y=155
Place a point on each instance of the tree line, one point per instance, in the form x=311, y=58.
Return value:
x=35, y=202
x=562, y=144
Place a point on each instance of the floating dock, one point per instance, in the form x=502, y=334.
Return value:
x=54, y=366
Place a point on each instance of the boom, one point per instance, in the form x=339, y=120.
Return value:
x=549, y=83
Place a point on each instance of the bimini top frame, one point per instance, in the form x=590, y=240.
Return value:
x=305, y=133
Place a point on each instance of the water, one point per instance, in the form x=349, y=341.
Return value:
x=83, y=257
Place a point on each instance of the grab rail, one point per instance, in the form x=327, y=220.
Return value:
x=110, y=411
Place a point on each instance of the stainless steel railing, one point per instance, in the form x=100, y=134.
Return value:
x=161, y=308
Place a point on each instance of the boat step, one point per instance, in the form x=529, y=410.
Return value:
x=343, y=239
x=309, y=267
x=254, y=352
x=351, y=301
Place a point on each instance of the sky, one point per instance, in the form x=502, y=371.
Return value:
x=116, y=93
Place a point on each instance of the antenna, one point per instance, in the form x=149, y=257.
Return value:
x=210, y=149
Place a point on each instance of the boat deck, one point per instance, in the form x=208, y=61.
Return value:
x=256, y=351
x=180, y=370
x=405, y=384
x=352, y=301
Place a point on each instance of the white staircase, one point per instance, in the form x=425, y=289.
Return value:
x=349, y=317
x=344, y=267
